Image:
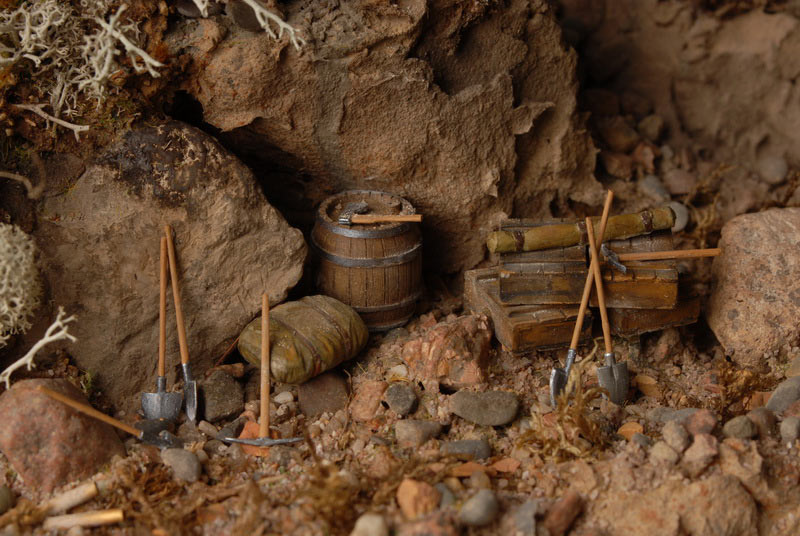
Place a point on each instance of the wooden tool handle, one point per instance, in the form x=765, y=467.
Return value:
x=598, y=282
x=672, y=254
x=263, y=430
x=587, y=287
x=385, y=218
x=162, y=311
x=90, y=411
x=176, y=296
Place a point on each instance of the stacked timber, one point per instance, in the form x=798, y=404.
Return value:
x=533, y=294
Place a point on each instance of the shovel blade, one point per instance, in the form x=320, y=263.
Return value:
x=165, y=406
x=615, y=380
x=162, y=440
x=558, y=381
x=262, y=441
x=190, y=391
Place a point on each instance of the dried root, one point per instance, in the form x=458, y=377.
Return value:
x=264, y=16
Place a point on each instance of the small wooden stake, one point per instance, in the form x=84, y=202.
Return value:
x=386, y=218
x=265, y=358
x=84, y=519
x=70, y=499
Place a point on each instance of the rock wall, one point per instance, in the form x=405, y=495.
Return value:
x=468, y=109
x=99, y=242
x=723, y=82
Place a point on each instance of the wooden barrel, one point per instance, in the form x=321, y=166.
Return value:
x=377, y=268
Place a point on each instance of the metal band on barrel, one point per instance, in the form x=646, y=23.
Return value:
x=350, y=262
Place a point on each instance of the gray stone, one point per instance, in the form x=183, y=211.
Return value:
x=492, y=408
x=641, y=440
x=7, y=499
x=413, y=433
x=284, y=397
x=790, y=429
x=665, y=414
x=617, y=133
x=207, y=428
x=523, y=518
x=150, y=175
x=757, y=286
x=232, y=429
x=215, y=446
x=663, y=453
x=473, y=449
x=765, y=420
x=370, y=524
x=681, y=216
x=401, y=398
x=786, y=394
x=772, y=169
x=222, y=396
x=184, y=464
x=700, y=455
x=740, y=427
x=327, y=393
x=652, y=187
x=448, y=498
x=480, y=510
x=675, y=435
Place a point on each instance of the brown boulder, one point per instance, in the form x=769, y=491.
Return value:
x=48, y=443
x=756, y=292
x=100, y=247
x=468, y=112
x=454, y=352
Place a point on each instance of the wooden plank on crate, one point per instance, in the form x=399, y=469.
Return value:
x=521, y=328
x=646, y=285
x=630, y=322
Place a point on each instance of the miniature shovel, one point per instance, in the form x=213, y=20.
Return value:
x=161, y=404
x=614, y=376
x=559, y=376
x=163, y=439
x=263, y=428
x=189, y=385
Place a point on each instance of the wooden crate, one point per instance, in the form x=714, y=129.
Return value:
x=630, y=322
x=557, y=276
x=522, y=328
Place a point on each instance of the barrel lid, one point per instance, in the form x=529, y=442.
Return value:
x=378, y=203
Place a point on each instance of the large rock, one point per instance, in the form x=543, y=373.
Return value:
x=468, y=112
x=48, y=443
x=100, y=252
x=454, y=352
x=756, y=296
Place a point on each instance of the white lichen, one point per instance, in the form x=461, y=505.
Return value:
x=38, y=109
x=72, y=51
x=20, y=289
x=34, y=192
x=263, y=16
x=57, y=331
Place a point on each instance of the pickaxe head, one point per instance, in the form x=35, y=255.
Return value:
x=356, y=207
x=612, y=258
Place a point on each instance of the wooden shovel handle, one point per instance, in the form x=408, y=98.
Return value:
x=598, y=282
x=176, y=296
x=90, y=411
x=263, y=430
x=162, y=310
x=672, y=254
x=587, y=287
x=385, y=218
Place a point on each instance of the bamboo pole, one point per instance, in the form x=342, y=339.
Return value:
x=263, y=430
x=84, y=519
x=672, y=254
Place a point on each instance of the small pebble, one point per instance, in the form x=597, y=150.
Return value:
x=740, y=427
x=651, y=127
x=681, y=216
x=235, y=452
x=474, y=449
x=676, y=436
x=413, y=433
x=765, y=421
x=7, y=499
x=641, y=440
x=215, y=447
x=370, y=524
x=786, y=394
x=480, y=480
x=772, y=169
x=202, y=456
x=652, y=187
x=447, y=496
x=480, y=510
x=184, y=464
x=253, y=406
x=663, y=453
x=790, y=429
x=399, y=371
x=523, y=518
x=231, y=430
x=701, y=421
x=207, y=428
x=285, y=397
x=563, y=513
x=492, y=408
x=401, y=398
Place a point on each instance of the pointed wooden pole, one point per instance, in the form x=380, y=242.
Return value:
x=263, y=430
